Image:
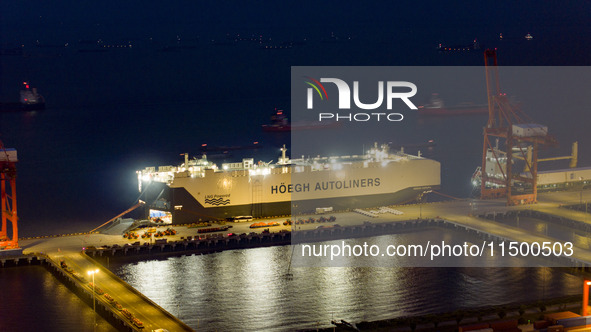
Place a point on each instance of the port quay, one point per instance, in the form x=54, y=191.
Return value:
x=69, y=257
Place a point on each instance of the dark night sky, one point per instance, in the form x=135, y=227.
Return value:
x=139, y=19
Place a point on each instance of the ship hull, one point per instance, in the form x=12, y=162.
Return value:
x=192, y=211
x=193, y=194
x=18, y=107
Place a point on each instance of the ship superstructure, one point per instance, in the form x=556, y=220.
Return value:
x=199, y=189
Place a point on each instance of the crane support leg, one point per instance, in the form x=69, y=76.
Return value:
x=9, y=213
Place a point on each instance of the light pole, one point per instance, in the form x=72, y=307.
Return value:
x=92, y=273
x=421, y=207
x=420, y=211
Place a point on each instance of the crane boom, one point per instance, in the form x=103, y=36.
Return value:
x=516, y=129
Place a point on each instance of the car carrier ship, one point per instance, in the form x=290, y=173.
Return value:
x=200, y=190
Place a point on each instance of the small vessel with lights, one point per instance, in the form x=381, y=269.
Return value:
x=30, y=100
x=281, y=123
x=437, y=107
x=200, y=190
x=474, y=46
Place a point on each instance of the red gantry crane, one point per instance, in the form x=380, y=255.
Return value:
x=522, y=139
x=8, y=159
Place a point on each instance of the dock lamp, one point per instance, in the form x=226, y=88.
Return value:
x=92, y=273
x=586, y=285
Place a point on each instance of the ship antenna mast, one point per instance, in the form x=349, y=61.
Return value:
x=284, y=159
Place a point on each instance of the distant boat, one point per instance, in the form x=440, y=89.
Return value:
x=43, y=45
x=280, y=123
x=282, y=46
x=528, y=36
x=437, y=107
x=30, y=100
x=459, y=48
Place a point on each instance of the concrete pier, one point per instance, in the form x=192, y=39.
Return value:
x=149, y=313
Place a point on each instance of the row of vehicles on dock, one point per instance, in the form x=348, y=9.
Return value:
x=127, y=314
x=264, y=224
x=71, y=271
x=312, y=220
x=97, y=290
x=132, y=235
x=207, y=224
x=200, y=224
x=153, y=232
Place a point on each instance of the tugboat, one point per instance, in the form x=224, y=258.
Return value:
x=279, y=122
x=30, y=100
